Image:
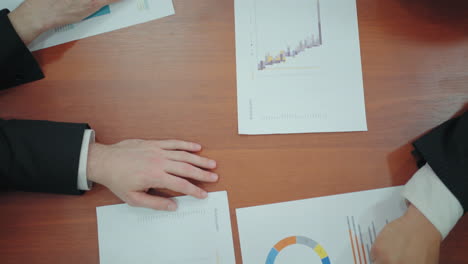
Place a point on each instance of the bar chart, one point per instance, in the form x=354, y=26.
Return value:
x=312, y=39
x=362, y=239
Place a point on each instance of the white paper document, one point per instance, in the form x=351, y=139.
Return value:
x=337, y=229
x=298, y=67
x=199, y=232
x=111, y=17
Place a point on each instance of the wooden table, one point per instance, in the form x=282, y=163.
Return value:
x=176, y=78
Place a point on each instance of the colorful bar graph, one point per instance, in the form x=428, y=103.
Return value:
x=284, y=55
x=361, y=244
x=351, y=240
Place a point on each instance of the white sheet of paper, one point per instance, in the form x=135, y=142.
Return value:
x=298, y=67
x=199, y=232
x=115, y=16
x=337, y=229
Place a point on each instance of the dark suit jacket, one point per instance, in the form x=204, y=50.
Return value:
x=445, y=149
x=34, y=155
x=17, y=64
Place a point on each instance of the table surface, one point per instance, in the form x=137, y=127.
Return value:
x=176, y=78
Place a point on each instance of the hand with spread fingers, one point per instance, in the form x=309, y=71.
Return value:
x=132, y=167
x=33, y=17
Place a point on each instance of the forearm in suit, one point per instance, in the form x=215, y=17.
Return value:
x=445, y=149
x=40, y=156
x=17, y=64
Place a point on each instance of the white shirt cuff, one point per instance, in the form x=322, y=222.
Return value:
x=435, y=201
x=82, y=182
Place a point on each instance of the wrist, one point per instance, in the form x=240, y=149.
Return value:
x=95, y=162
x=27, y=26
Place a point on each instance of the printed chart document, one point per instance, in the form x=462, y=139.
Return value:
x=337, y=229
x=199, y=232
x=114, y=16
x=298, y=67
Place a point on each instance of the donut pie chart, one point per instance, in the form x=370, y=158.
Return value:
x=299, y=240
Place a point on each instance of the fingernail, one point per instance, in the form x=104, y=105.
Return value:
x=172, y=207
x=197, y=146
x=212, y=163
x=204, y=194
x=214, y=176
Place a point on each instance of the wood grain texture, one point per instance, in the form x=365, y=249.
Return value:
x=175, y=78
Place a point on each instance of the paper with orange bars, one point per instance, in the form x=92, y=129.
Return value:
x=337, y=229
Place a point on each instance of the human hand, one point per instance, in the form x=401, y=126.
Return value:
x=411, y=239
x=132, y=167
x=34, y=17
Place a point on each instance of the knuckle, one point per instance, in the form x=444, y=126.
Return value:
x=155, y=157
x=159, y=206
x=189, y=169
x=146, y=180
x=185, y=156
x=199, y=192
x=132, y=200
x=375, y=250
x=197, y=159
x=155, y=144
x=178, y=155
x=158, y=179
x=206, y=174
x=205, y=160
x=185, y=185
x=171, y=142
x=380, y=254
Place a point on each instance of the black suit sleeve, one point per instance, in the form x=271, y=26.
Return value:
x=445, y=149
x=40, y=156
x=17, y=64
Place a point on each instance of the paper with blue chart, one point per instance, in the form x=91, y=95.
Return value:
x=337, y=229
x=118, y=15
x=199, y=232
x=298, y=66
